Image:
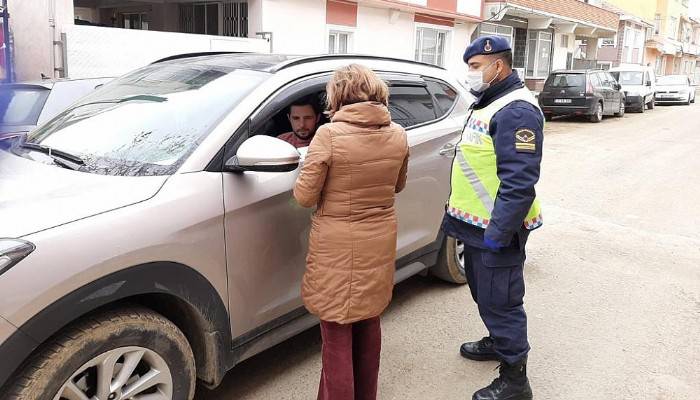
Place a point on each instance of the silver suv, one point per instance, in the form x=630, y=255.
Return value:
x=148, y=232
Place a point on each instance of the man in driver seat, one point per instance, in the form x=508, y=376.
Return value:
x=304, y=117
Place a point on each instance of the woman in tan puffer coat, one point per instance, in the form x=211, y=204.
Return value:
x=353, y=169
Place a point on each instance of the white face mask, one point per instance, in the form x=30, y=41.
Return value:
x=475, y=79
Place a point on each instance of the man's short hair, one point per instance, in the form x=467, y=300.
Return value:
x=506, y=56
x=306, y=101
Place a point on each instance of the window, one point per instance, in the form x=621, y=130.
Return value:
x=630, y=77
x=19, y=106
x=444, y=94
x=605, y=65
x=149, y=121
x=339, y=42
x=565, y=41
x=657, y=24
x=498, y=30
x=135, y=21
x=430, y=45
x=566, y=81
x=203, y=18
x=672, y=26
x=595, y=81
x=603, y=79
x=411, y=105
x=235, y=19
x=539, y=54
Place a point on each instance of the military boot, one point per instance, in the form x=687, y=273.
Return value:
x=511, y=384
x=481, y=350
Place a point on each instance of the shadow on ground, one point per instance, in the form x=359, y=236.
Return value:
x=258, y=371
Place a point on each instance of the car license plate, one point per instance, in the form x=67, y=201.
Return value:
x=562, y=101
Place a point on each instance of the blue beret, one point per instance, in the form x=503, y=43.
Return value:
x=486, y=45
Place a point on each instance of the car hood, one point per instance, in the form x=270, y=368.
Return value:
x=635, y=89
x=671, y=88
x=35, y=196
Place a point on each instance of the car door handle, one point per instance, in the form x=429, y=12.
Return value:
x=449, y=148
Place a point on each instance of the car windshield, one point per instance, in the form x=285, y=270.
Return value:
x=21, y=106
x=566, y=80
x=147, y=122
x=629, y=77
x=672, y=80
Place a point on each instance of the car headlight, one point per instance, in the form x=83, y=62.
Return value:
x=13, y=251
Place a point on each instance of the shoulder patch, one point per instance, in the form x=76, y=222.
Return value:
x=525, y=141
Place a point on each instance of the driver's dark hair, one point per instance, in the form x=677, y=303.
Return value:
x=309, y=100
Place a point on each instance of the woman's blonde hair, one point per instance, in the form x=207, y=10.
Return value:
x=354, y=84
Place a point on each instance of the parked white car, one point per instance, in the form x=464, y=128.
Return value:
x=639, y=84
x=675, y=89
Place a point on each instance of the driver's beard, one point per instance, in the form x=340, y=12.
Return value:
x=308, y=136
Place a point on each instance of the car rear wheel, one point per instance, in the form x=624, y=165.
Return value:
x=598, y=114
x=125, y=354
x=451, y=262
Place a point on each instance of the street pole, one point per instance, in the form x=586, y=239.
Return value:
x=6, y=37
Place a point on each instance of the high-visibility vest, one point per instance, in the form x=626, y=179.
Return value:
x=474, y=179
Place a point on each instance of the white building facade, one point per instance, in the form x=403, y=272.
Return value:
x=89, y=38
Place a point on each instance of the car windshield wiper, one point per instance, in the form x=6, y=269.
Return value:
x=57, y=155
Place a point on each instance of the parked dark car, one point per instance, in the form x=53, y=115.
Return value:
x=592, y=93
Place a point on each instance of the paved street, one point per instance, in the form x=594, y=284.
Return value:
x=613, y=293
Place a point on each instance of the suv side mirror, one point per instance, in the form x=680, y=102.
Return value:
x=264, y=154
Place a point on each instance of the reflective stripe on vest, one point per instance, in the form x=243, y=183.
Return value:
x=474, y=179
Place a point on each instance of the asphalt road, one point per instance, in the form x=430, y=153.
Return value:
x=613, y=283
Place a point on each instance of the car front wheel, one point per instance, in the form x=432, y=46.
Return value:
x=621, y=110
x=127, y=354
x=652, y=103
x=451, y=262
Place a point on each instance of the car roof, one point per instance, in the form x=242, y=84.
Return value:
x=631, y=67
x=273, y=63
x=577, y=71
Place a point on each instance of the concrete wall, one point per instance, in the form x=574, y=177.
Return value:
x=645, y=10
x=397, y=39
x=298, y=26
x=32, y=39
x=105, y=52
x=461, y=38
x=560, y=54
